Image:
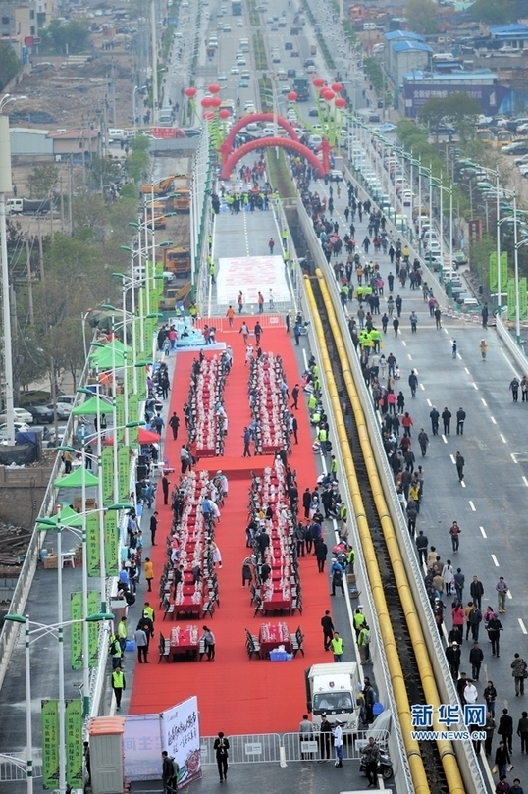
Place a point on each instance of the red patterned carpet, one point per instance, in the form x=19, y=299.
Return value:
x=236, y=695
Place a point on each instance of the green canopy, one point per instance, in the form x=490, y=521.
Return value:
x=105, y=359
x=92, y=406
x=66, y=518
x=75, y=479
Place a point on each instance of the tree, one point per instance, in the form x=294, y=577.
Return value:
x=9, y=64
x=137, y=163
x=458, y=109
x=105, y=171
x=491, y=12
x=89, y=212
x=432, y=112
x=42, y=180
x=423, y=15
x=72, y=36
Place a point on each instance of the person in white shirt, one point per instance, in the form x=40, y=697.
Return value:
x=470, y=692
x=338, y=743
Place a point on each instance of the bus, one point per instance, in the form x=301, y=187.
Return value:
x=228, y=104
x=236, y=8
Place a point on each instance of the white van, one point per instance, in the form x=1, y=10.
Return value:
x=15, y=205
x=116, y=135
x=165, y=117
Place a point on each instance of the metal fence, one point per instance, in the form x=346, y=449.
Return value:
x=13, y=767
x=275, y=748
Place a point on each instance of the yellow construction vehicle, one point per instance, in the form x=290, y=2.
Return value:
x=177, y=260
x=162, y=187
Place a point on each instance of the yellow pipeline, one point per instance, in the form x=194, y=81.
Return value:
x=412, y=748
x=430, y=688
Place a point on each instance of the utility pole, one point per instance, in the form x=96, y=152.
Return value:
x=29, y=282
x=41, y=254
x=154, y=61
x=70, y=197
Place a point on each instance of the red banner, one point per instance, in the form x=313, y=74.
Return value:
x=164, y=132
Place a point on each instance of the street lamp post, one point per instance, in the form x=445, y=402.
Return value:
x=136, y=88
x=41, y=630
x=6, y=185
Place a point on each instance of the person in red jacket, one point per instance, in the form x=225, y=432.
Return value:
x=407, y=423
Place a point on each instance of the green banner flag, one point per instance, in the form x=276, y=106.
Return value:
x=523, y=307
x=511, y=298
x=74, y=744
x=133, y=412
x=130, y=381
x=123, y=471
x=93, y=556
x=142, y=384
x=49, y=714
x=493, y=272
x=137, y=335
x=111, y=543
x=107, y=466
x=120, y=417
x=504, y=269
x=94, y=605
x=76, y=631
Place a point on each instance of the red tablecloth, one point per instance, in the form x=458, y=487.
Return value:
x=188, y=607
x=184, y=640
x=277, y=603
x=271, y=639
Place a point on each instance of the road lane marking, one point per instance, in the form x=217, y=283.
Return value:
x=467, y=370
x=429, y=403
x=452, y=459
x=475, y=386
x=493, y=420
x=502, y=439
x=508, y=594
x=495, y=560
x=483, y=531
x=445, y=439
x=422, y=387
x=459, y=356
x=472, y=506
x=523, y=627
x=484, y=402
x=404, y=343
x=462, y=483
x=512, y=456
x=525, y=481
x=409, y=356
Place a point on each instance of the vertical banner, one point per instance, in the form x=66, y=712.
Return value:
x=504, y=268
x=49, y=714
x=93, y=556
x=107, y=466
x=180, y=736
x=111, y=543
x=94, y=605
x=130, y=381
x=523, y=284
x=76, y=630
x=133, y=413
x=511, y=299
x=142, y=383
x=123, y=472
x=74, y=744
x=493, y=272
x=120, y=418
x=136, y=331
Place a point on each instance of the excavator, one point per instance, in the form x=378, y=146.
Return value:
x=162, y=187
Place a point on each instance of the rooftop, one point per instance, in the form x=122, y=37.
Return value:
x=402, y=46
x=482, y=76
x=403, y=34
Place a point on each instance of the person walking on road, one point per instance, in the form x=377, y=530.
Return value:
x=522, y=732
x=435, y=420
x=490, y=696
x=118, y=685
x=454, y=532
x=502, y=761
x=413, y=382
x=423, y=441
x=518, y=667
x=502, y=589
x=337, y=647
x=271, y=244
x=395, y=325
x=413, y=319
x=398, y=304
x=494, y=629
x=476, y=591
x=505, y=729
x=459, y=463
x=446, y=418
x=328, y=629
x=514, y=388
x=421, y=546
x=221, y=746
x=475, y=619
x=476, y=657
x=483, y=349
x=460, y=417
x=453, y=659
x=459, y=581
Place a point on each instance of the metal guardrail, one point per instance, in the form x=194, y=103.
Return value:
x=515, y=351
x=13, y=767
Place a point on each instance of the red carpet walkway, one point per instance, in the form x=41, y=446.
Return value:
x=236, y=695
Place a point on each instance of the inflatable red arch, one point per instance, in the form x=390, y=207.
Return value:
x=251, y=119
x=286, y=143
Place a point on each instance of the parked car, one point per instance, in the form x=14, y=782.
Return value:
x=67, y=399
x=41, y=414
x=20, y=427
x=63, y=411
x=21, y=415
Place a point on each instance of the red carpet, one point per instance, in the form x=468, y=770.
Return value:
x=236, y=695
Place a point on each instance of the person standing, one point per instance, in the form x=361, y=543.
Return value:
x=167, y=772
x=246, y=437
x=328, y=629
x=514, y=388
x=505, y=729
x=325, y=732
x=446, y=418
x=209, y=643
x=476, y=591
x=494, y=630
x=476, y=657
x=305, y=735
x=483, y=349
x=522, y=731
x=148, y=569
x=454, y=532
x=165, y=482
x=502, y=589
x=321, y=553
x=221, y=746
x=118, y=685
x=461, y=418
x=337, y=647
x=371, y=753
x=459, y=581
x=363, y=642
x=240, y=301
x=338, y=743
x=516, y=787
x=459, y=463
x=295, y=396
x=140, y=638
x=153, y=527
x=518, y=667
x=470, y=692
x=421, y=545
x=453, y=659
x=245, y=331
x=490, y=696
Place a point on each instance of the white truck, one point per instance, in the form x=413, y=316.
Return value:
x=332, y=689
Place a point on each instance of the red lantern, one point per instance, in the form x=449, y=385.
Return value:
x=206, y=102
x=224, y=114
x=215, y=102
x=340, y=102
x=328, y=94
x=292, y=96
x=337, y=87
x=214, y=88
x=190, y=92
x=318, y=82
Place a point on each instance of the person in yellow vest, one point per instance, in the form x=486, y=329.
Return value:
x=359, y=620
x=285, y=235
x=363, y=641
x=115, y=651
x=149, y=611
x=375, y=335
x=337, y=647
x=118, y=685
x=286, y=257
x=351, y=557
x=122, y=633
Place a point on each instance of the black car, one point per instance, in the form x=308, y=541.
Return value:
x=42, y=414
